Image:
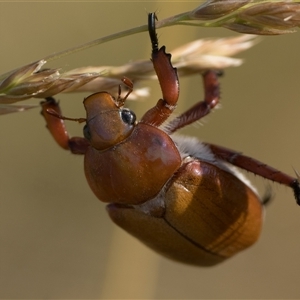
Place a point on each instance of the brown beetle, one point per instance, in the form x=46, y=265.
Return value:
x=179, y=196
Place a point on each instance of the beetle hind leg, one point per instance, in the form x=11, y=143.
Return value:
x=256, y=167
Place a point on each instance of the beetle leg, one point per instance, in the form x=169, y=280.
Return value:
x=167, y=77
x=52, y=115
x=252, y=165
x=202, y=108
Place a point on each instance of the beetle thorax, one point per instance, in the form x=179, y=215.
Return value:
x=135, y=170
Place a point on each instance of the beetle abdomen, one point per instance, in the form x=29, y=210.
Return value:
x=208, y=216
x=158, y=235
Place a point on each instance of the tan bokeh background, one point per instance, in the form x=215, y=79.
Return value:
x=56, y=238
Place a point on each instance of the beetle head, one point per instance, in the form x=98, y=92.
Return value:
x=107, y=123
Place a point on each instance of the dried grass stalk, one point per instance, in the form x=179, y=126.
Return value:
x=245, y=16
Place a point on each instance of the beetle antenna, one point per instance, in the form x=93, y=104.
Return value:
x=53, y=113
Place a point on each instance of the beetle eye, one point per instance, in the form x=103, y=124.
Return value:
x=128, y=116
x=86, y=132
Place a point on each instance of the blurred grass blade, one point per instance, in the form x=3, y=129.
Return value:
x=7, y=109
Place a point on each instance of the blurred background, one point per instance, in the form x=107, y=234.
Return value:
x=57, y=240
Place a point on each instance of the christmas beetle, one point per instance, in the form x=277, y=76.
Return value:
x=181, y=197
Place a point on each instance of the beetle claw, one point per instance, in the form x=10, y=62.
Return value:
x=296, y=187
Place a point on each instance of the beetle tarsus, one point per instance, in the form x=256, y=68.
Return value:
x=296, y=187
x=152, y=32
x=129, y=84
x=167, y=77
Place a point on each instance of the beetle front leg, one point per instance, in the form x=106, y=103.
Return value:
x=252, y=165
x=199, y=110
x=167, y=77
x=56, y=126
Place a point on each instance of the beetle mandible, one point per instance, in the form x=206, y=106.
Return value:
x=179, y=196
